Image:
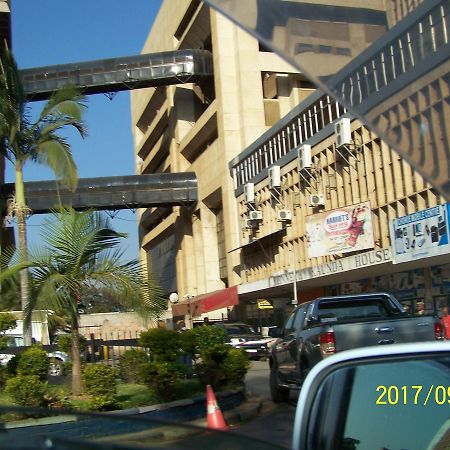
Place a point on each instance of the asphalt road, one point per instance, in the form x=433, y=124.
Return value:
x=275, y=422
x=273, y=426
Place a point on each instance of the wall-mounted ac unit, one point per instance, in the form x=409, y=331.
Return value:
x=343, y=132
x=254, y=215
x=304, y=157
x=274, y=177
x=284, y=214
x=316, y=200
x=249, y=193
x=251, y=223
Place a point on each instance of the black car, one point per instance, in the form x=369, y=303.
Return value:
x=242, y=335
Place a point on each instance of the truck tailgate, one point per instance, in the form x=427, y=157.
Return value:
x=383, y=332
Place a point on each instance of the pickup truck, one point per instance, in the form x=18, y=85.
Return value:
x=327, y=325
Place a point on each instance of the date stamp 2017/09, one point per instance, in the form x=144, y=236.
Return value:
x=413, y=395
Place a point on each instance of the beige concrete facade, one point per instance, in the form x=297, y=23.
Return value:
x=200, y=128
x=231, y=130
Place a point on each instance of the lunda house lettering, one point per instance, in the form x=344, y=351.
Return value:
x=370, y=258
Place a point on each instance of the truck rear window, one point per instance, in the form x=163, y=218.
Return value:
x=335, y=311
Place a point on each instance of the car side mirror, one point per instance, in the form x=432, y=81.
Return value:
x=377, y=398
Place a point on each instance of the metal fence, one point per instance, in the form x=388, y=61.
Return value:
x=107, y=347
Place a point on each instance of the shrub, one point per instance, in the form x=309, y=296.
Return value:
x=235, y=366
x=64, y=343
x=130, y=365
x=99, y=380
x=33, y=361
x=7, y=321
x=27, y=390
x=163, y=378
x=3, y=376
x=163, y=344
x=218, y=364
x=210, y=367
x=201, y=339
x=102, y=403
x=11, y=366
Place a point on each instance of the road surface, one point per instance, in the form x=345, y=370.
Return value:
x=276, y=421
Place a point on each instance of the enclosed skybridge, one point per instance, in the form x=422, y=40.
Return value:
x=110, y=193
x=119, y=74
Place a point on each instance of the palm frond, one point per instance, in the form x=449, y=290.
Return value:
x=55, y=153
x=67, y=102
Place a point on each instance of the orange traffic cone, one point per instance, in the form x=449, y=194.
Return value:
x=213, y=413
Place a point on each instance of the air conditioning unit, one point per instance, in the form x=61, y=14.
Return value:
x=274, y=177
x=304, y=157
x=343, y=132
x=249, y=193
x=249, y=223
x=316, y=200
x=284, y=214
x=254, y=215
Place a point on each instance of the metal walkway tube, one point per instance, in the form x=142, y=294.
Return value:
x=119, y=74
x=109, y=193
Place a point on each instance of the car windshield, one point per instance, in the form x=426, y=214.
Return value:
x=239, y=329
x=351, y=310
x=365, y=55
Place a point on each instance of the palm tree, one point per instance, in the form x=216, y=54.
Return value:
x=23, y=140
x=80, y=251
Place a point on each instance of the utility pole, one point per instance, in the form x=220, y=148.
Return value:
x=295, y=300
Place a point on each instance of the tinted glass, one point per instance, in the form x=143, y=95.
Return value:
x=399, y=405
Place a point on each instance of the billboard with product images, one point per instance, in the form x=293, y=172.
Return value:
x=342, y=230
x=421, y=234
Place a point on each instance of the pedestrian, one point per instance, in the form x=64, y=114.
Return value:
x=445, y=321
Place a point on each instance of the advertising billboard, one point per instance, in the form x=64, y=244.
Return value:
x=421, y=234
x=342, y=230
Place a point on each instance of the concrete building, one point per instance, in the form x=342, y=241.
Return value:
x=201, y=128
x=271, y=172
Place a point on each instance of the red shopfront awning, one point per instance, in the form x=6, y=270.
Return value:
x=207, y=302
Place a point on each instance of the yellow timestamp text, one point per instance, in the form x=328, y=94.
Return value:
x=413, y=395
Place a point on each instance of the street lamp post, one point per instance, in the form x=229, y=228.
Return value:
x=295, y=300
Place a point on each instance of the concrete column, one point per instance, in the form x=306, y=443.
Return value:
x=210, y=248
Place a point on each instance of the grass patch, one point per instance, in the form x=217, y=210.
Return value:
x=6, y=399
x=131, y=395
x=190, y=388
x=128, y=395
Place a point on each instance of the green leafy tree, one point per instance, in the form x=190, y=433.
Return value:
x=24, y=140
x=80, y=250
x=7, y=322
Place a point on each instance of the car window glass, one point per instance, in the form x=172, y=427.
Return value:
x=407, y=402
x=300, y=318
x=289, y=326
x=348, y=310
x=239, y=329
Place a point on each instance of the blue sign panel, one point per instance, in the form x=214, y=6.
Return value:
x=420, y=235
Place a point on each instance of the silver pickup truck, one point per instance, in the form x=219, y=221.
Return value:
x=327, y=325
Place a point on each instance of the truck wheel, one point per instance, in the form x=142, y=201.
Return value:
x=56, y=367
x=279, y=393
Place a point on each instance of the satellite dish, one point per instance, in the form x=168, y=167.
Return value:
x=173, y=297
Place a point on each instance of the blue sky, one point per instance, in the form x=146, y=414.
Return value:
x=49, y=32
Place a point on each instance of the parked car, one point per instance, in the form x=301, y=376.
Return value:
x=322, y=327
x=57, y=359
x=242, y=335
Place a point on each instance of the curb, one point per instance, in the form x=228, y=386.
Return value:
x=236, y=407
x=247, y=410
